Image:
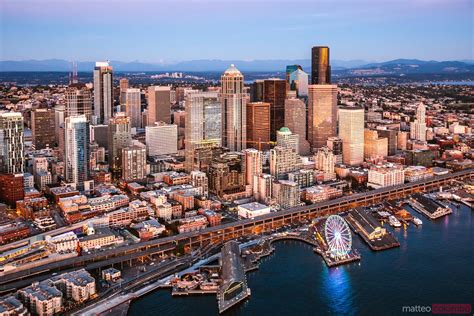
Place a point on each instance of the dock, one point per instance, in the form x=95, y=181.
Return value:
x=428, y=207
x=234, y=287
x=367, y=227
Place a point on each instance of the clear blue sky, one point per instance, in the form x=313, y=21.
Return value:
x=173, y=30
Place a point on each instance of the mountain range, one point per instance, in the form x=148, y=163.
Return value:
x=354, y=67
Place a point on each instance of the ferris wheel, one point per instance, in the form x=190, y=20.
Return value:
x=338, y=236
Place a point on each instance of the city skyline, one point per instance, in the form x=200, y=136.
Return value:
x=422, y=29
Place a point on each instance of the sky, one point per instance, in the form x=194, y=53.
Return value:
x=177, y=30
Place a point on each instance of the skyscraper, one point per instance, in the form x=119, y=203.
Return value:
x=103, y=92
x=351, y=131
x=258, y=125
x=123, y=84
x=11, y=143
x=133, y=107
x=298, y=81
x=418, y=127
x=282, y=161
x=324, y=160
x=161, y=139
x=285, y=138
x=159, y=105
x=322, y=114
x=289, y=70
x=203, y=123
x=320, y=67
x=78, y=102
x=119, y=137
x=43, y=128
x=274, y=92
x=76, y=130
x=253, y=163
x=295, y=120
x=234, y=117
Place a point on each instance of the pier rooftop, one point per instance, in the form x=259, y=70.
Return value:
x=234, y=282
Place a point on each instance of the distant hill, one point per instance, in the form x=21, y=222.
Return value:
x=351, y=67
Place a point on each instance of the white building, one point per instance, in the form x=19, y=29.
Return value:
x=161, y=139
x=351, y=131
x=133, y=103
x=386, y=175
x=252, y=210
x=66, y=242
x=418, y=127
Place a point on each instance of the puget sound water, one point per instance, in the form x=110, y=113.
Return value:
x=433, y=265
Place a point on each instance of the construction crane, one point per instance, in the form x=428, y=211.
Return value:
x=260, y=142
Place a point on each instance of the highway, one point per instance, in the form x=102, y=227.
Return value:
x=221, y=233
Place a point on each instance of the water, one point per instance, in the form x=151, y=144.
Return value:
x=434, y=264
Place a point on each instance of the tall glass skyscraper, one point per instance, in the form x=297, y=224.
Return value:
x=77, y=149
x=11, y=143
x=320, y=67
x=103, y=92
x=233, y=101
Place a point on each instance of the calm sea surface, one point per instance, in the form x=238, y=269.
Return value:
x=434, y=264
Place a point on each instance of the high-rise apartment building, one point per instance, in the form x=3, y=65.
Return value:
x=351, y=131
x=133, y=106
x=285, y=138
x=78, y=102
x=161, y=139
x=159, y=105
x=234, y=117
x=103, y=92
x=76, y=130
x=43, y=128
x=134, y=163
x=254, y=165
x=282, y=161
x=11, y=143
x=320, y=67
x=274, y=92
x=258, y=125
x=227, y=176
x=324, y=160
x=286, y=193
x=200, y=181
x=322, y=114
x=119, y=137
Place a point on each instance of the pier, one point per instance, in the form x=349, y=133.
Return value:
x=428, y=207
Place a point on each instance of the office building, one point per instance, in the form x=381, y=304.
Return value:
x=320, y=67
x=418, y=127
x=386, y=175
x=119, y=137
x=374, y=147
x=133, y=107
x=234, y=117
x=11, y=188
x=274, y=92
x=159, y=105
x=252, y=210
x=258, y=125
x=200, y=181
x=227, y=176
x=123, y=84
x=78, y=102
x=11, y=143
x=76, y=150
x=298, y=81
x=296, y=121
x=43, y=128
x=391, y=135
x=351, y=132
x=203, y=123
x=322, y=114
x=262, y=188
x=103, y=92
x=335, y=145
x=161, y=139
x=256, y=91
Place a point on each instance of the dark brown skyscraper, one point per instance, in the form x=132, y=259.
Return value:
x=43, y=128
x=274, y=92
x=320, y=68
x=258, y=125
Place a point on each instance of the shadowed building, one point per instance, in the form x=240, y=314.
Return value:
x=258, y=125
x=43, y=128
x=274, y=92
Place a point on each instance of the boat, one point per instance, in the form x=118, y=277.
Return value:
x=417, y=221
x=394, y=222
